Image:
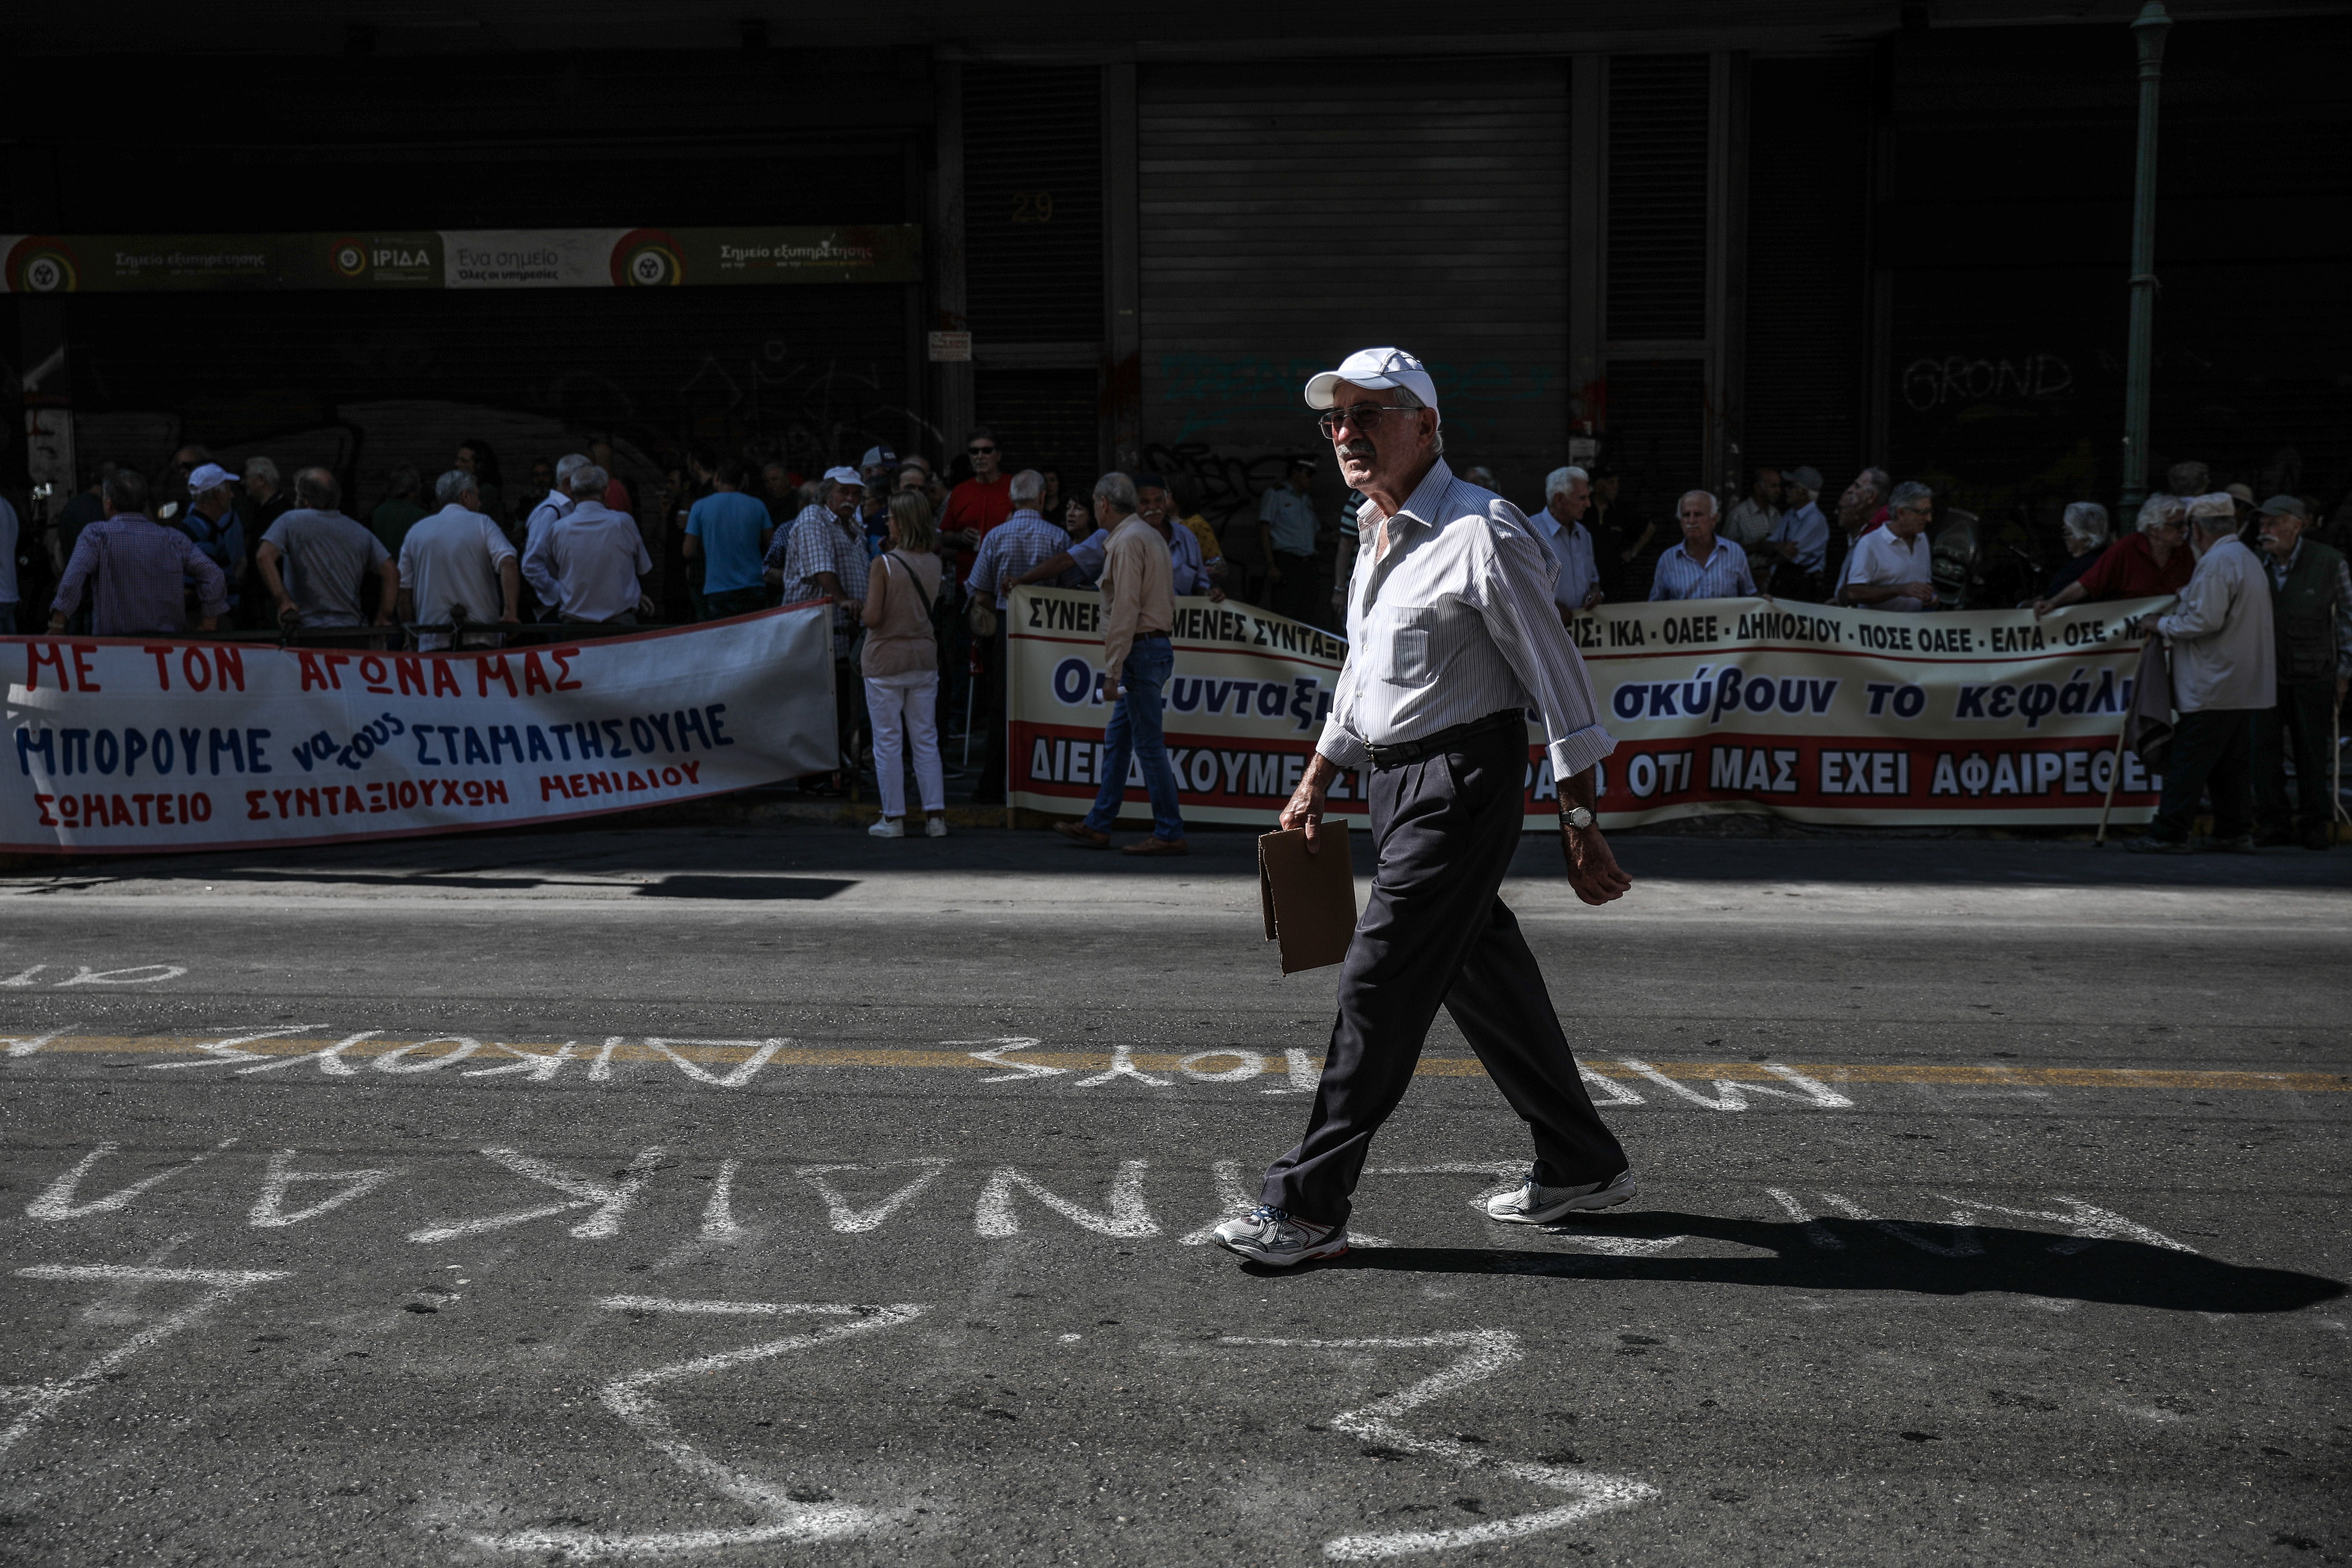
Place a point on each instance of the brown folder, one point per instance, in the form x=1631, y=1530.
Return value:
x=1310, y=899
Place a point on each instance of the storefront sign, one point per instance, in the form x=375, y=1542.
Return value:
x=132, y=744
x=461, y=258
x=1817, y=714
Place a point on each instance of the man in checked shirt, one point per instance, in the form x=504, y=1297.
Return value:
x=1452, y=638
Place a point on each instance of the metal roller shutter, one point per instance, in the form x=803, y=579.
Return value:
x=1034, y=255
x=1658, y=419
x=1808, y=271
x=1283, y=226
x=1657, y=196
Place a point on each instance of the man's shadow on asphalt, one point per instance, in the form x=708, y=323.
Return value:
x=1920, y=1257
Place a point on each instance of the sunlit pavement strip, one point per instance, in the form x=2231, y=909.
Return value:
x=598, y=1059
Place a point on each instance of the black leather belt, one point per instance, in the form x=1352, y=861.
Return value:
x=1446, y=740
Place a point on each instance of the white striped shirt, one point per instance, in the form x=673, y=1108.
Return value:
x=1723, y=575
x=1456, y=622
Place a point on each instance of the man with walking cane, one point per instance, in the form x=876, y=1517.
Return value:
x=1452, y=638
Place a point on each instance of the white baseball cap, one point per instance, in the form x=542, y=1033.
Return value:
x=846, y=476
x=209, y=476
x=1374, y=369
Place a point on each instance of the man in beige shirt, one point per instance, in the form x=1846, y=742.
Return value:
x=1139, y=612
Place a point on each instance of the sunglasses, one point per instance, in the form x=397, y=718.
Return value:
x=979, y=451
x=1363, y=416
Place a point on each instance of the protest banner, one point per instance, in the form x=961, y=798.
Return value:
x=136, y=745
x=1808, y=711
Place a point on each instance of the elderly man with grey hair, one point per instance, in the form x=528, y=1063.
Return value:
x=2224, y=671
x=1452, y=637
x=592, y=563
x=457, y=565
x=1891, y=568
x=1560, y=528
x=1703, y=566
x=315, y=560
x=1138, y=613
x=552, y=507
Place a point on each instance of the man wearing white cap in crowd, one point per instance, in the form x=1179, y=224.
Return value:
x=2224, y=669
x=823, y=556
x=1452, y=637
x=212, y=522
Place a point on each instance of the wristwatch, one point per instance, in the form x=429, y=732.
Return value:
x=1577, y=816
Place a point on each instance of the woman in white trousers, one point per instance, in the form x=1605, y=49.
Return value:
x=902, y=667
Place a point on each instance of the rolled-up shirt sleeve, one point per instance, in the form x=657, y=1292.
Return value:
x=1514, y=583
x=1341, y=741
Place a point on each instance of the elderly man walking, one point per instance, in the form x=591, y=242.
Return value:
x=2224, y=670
x=1452, y=638
x=2311, y=607
x=140, y=565
x=1706, y=567
x=1139, y=612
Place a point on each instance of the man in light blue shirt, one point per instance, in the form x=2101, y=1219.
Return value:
x=727, y=532
x=1702, y=566
x=1801, y=537
x=1560, y=528
x=1023, y=541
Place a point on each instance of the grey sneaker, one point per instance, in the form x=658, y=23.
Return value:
x=1532, y=1204
x=1272, y=1237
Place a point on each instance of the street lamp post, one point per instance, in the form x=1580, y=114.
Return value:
x=2148, y=29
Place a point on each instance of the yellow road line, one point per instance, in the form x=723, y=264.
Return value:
x=1954, y=1075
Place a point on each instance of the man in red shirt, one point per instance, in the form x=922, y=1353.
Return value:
x=981, y=502
x=2155, y=560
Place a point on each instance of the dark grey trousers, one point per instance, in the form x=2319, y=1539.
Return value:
x=1434, y=931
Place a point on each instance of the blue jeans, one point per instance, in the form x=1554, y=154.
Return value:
x=1134, y=731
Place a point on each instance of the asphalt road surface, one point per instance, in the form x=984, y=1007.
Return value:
x=786, y=1197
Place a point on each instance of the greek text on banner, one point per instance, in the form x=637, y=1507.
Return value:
x=120, y=744
x=1811, y=712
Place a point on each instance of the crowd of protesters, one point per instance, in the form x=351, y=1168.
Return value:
x=918, y=572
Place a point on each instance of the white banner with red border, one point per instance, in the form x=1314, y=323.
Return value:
x=1814, y=713
x=140, y=744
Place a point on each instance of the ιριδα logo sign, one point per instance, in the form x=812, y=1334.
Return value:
x=349, y=258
